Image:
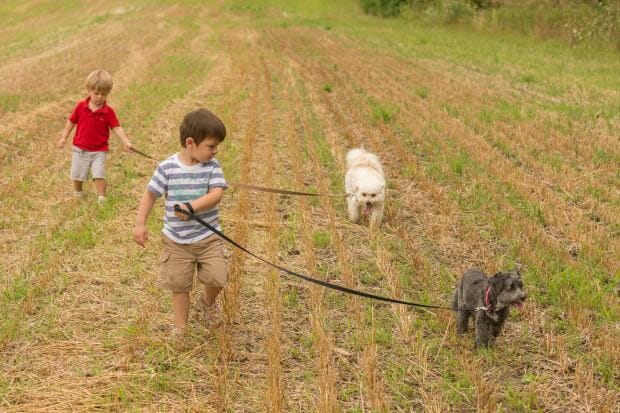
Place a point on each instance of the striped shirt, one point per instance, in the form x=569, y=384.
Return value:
x=182, y=183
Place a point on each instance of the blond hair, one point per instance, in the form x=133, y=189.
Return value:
x=99, y=80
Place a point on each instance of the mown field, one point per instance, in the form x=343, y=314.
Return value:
x=498, y=149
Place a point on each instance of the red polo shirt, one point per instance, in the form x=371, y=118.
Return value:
x=93, y=128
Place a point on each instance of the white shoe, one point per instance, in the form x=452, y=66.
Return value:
x=101, y=200
x=78, y=194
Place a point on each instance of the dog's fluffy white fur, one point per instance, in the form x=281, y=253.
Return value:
x=365, y=183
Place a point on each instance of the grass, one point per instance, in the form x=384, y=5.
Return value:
x=451, y=207
x=322, y=239
x=382, y=112
x=9, y=103
x=422, y=91
x=531, y=210
x=547, y=66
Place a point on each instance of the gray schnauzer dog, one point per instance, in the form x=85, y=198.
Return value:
x=492, y=296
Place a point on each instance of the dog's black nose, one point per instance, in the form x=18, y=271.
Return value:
x=368, y=203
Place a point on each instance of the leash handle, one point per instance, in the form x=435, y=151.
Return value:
x=177, y=208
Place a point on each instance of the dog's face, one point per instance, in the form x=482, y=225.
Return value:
x=369, y=194
x=508, y=288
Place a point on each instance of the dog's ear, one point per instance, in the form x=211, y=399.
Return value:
x=500, y=278
x=497, y=284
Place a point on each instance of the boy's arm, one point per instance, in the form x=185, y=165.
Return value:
x=140, y=231
x=207, y=201
x=120, y=132
x=65, y=133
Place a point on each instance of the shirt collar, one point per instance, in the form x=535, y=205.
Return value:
x=102, y=109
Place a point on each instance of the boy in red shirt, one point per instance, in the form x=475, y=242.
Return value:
x=94, y=119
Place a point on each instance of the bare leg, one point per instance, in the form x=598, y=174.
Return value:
x=180, y=308
x=211, y=294
x=77, y=185
x=100, y=186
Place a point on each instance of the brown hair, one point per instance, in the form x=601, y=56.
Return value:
x=200, y=124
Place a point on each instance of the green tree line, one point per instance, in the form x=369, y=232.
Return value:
x=593, y=22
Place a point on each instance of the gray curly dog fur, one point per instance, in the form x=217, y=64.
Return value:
x=505, y=289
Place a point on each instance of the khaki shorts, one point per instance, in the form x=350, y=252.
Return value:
x=82, y=161
x=179, y=262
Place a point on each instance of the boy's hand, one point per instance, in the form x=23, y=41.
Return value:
x=62, y=142
x=140, y=234
x=120, y=132
x=181, y=215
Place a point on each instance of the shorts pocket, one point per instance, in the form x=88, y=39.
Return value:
x=175, y=274
x=164, y=266
x=164, y=257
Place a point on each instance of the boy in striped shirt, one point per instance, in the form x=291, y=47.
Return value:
x=193, y=179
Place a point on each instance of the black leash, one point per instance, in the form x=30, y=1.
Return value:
x=282, y=191
x=142, y=153
x=322, y=283
x=259, y=188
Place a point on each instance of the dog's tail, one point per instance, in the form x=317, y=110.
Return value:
x=353, y=154
x=361, y=157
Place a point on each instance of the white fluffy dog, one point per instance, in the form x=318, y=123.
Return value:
x=365, y=183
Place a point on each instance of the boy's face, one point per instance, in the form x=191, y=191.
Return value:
x=97, y=97
x=203, y=152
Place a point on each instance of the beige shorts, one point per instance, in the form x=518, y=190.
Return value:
x=179, y=262
x=82, y=161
